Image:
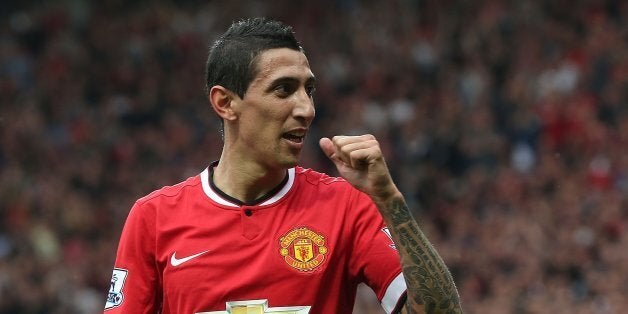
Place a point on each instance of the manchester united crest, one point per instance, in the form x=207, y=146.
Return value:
x=303, y=249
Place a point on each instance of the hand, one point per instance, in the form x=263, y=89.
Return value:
x=360, y=161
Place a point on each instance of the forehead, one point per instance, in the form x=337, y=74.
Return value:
x=281, y=62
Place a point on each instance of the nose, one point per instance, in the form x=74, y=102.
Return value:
x=304, y=108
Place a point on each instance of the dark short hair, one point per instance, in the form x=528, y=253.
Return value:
x=232, y=58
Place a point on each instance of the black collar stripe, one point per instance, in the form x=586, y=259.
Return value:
x=223, y=198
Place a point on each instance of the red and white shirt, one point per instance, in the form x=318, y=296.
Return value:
x=189, y=248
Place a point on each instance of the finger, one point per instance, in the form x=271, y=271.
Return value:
x=341, y=140
x=359, y=154
x=345, y=144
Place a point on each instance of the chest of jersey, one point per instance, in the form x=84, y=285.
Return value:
x=292, y=253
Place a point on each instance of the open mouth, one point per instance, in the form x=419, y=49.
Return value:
x=295, y=138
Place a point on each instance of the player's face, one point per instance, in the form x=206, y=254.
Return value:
x=277, y=109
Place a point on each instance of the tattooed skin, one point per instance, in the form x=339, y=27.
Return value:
x=431, y=288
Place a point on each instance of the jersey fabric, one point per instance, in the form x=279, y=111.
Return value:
x=189, y=248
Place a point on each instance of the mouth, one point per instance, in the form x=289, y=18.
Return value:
x=294, y=136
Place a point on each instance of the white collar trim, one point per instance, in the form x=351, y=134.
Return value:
x=218, y=199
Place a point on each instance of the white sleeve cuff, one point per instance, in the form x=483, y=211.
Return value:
x=395, y=291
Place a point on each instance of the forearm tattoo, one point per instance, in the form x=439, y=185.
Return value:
x=430, y=284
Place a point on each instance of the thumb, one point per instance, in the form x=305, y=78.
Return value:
x=330, y=151
x=327, y=146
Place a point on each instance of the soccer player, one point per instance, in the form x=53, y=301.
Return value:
x=256, y=233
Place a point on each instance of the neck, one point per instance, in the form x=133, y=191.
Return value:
x=246, y=181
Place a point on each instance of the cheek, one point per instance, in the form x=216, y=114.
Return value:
x=262, y=129
x=273, y=118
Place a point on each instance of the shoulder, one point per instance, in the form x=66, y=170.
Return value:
x=164, y=202
x=171, y=191
x=320, y=183
x=314, y=177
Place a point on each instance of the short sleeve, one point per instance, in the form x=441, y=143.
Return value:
x=375, y=258
x=135, y=284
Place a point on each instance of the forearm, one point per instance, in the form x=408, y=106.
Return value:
x=431, y=288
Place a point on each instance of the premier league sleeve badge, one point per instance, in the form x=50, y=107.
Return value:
x=115, y=296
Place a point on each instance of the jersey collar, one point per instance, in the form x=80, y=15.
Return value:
x=222, y=198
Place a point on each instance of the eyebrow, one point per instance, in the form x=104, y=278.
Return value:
x=289, y=79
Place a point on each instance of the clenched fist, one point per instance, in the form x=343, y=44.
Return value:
x=360, y=161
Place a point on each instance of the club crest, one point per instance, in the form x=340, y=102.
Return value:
x=303, y=249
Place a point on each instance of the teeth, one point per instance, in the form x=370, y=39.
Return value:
x=294, y=138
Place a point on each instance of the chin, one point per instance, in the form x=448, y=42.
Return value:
x=290, y=164
x=288, y=161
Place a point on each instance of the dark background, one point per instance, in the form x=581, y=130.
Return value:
x=504, y=123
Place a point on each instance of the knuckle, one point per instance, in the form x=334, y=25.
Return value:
x=345, y=150
x=336, y=139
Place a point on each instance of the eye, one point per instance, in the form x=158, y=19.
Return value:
x=310, y=90
x=284, y=89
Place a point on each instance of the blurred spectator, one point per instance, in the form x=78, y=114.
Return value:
x=505, y=122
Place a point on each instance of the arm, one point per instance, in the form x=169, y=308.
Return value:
x=134, y=284
x=360, y=161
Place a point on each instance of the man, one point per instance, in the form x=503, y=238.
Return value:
x=254, y=232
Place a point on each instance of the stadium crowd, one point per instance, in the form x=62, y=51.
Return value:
x=505, y=124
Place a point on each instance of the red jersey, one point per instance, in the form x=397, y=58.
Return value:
x=190, y=248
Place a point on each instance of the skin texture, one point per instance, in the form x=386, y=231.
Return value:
x=257, y=153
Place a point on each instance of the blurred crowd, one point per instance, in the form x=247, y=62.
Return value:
x=505, y=124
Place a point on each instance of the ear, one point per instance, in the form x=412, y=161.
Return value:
x=221, y=100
